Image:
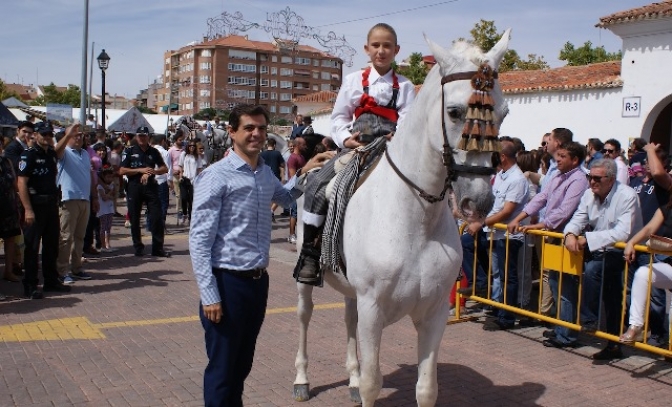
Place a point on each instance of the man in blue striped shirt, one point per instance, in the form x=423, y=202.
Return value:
x=229, y=242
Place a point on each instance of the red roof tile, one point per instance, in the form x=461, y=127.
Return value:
x=649, y=12
x=594, y=76
x=323, y=96
x=239, y=41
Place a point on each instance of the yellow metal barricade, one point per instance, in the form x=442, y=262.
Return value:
x=556, y=257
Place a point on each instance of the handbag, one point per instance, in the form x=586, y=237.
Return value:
x=660, y=244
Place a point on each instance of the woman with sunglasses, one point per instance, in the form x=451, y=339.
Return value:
x=190, y=166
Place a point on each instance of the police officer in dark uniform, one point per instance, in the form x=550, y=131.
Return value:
x=140, y=163
x=39, y=196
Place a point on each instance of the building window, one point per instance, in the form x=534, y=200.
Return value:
x=264, y=82
x=204, y=79
x=274, y=96
x=316, y=74
x=206, y=66
x=242, y=80
x=242, y=68
x=316, y=62
x=205, y=92
x=285, y=84
x=286, y=60
x=239, y=54
x=328, y=63
x=273, y=109
x=285, y=110
x=325, y=76
x=274, y=70
x=241, y=94
x=274, y=84
x=285, y=97
x=263, y=95
x=316, y=88
x=205, y=105
x=274, y=58
x=264, y=69
x=206, y=53
x=286, y=72
x=325, y=86
x=302, y=61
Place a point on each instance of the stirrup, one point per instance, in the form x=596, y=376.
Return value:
x=308, y=271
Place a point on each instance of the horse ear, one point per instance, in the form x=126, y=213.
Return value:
x=496, y=54
x=442, y=56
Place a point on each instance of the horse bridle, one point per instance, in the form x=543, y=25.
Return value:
x=452, y=169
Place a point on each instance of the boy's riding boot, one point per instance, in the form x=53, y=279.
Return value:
x=307, y=269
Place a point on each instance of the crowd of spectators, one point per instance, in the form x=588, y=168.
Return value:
x=595, y=195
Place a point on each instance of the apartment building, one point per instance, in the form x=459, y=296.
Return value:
x=234, y=69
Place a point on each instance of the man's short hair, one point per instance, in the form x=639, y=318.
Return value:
x=575, y=150
x=157, y=138
x=307, y=120
x=608, y=164
x=562, y=135
x=509, y=149
x=25, y=123
x=614, y=142
x=245, y=109
x=596, y=144
x=271, y=142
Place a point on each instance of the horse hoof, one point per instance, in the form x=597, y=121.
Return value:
x=301, y=392
x=354, y=395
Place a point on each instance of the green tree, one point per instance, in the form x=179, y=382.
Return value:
x=70, y=96
x=586, y=54
x=145, y=109
x=212, y=113
x=6, y=93
x=485, y=35
x=415, y=71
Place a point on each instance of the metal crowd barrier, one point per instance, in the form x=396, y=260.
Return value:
x=555, y=257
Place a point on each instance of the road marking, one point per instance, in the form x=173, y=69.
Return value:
x=63, y=329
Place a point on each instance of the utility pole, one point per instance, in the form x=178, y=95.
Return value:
x=85, y=46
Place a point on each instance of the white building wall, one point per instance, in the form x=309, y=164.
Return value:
x=587, y=113
x=647, y=57
x=322, y=123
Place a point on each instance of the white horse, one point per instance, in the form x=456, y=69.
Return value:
x=402, y=252
x=215, y=145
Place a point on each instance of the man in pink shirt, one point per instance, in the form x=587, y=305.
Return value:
x=560, y=198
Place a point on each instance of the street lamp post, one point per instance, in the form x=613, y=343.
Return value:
x=103, y=63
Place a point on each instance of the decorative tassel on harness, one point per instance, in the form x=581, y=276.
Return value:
x=480, y=132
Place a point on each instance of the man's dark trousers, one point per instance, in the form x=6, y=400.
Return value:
x=230, y=344
x=45, y=229
x=137, y=196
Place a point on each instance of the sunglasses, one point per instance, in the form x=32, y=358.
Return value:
x=608, y=150
x=596, y=178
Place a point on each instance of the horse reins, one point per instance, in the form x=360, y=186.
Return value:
x=452, y=169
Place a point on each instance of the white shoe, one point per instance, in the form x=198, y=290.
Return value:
x=292, y=239
x=108, y=250
x=127, y=224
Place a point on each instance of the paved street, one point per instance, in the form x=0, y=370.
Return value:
x=131, y=337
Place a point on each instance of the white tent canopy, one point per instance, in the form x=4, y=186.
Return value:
x=130, y=121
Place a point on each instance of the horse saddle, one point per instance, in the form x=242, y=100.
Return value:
x=367, y=163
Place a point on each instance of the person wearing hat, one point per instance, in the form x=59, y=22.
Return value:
x=141, y=163
x=39, y=195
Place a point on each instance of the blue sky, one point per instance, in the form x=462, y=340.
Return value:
x=43, y=42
